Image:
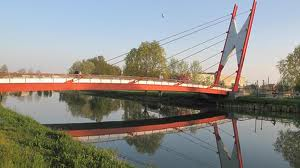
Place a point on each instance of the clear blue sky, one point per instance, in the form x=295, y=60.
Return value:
x=50, y=35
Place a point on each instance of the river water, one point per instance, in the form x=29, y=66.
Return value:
x=265, y=140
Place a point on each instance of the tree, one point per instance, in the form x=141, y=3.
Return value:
x=22, y=70
x=183, y=68
x=4, y=68
x=87, y=67
x=30, y=70
x=282, y=86
x=96, y=66
x=195, y=69
x=172, y=66
x=178, y=69
x=289, y=68
x=147, y=60
x=75, y=67
x=103, y=68
x=297, y=86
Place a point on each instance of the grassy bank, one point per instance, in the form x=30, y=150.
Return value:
x=26, y=143
x=252, y=104
x=263, y=100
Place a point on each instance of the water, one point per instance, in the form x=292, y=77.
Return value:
x=272, y=143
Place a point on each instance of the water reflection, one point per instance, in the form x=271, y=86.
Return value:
x=146, y=143
x=96, y=107
x=91, y=107
x=266, y=139
x=288, y=143
x=150, y=141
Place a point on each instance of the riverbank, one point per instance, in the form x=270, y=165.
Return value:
x=26, y=143
x=252, y=104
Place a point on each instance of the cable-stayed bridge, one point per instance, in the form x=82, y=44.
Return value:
x=234, y=41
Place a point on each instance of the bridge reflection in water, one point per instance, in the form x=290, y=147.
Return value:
x=118, y=130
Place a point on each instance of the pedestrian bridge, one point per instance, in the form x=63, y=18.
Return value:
x=13, y=82
x=235, y=41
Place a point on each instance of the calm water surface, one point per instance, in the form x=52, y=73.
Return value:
x=265, y=141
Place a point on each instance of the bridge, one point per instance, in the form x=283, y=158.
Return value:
x=60, y=82
x=238, y=41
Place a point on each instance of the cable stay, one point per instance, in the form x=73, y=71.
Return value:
x=193, y=28
x=207, y=129
x=196, y=31
x=174, y=35
x=206, y=41
x=188, y=30
x=184, y=156
x=126, y=157
x=243, y=12
x=229, y=76
x=199, y=139
x=206, y=48
x=226, y=132
x=216, y=64
x=199, y=144
x=208, y=22
x=210, y=57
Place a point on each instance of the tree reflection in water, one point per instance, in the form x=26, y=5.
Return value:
x=28, y=96
x=143, y=143
x=96, y=107
x=91, y=107
x=288, y=143
x=146, y=143
x=135, y=111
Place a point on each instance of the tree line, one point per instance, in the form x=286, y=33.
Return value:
x=4, y=69
x=148, y=60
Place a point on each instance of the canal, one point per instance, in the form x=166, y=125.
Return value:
x=266, y=141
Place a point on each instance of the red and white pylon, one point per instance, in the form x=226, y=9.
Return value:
x=239, y=42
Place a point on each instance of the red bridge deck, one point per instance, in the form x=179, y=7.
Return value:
x=60, y=82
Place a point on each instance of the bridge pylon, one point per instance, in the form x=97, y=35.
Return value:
x=238, y=41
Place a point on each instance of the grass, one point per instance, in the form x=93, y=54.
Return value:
x=264, y=100
x=26, y=143
x=280, y=101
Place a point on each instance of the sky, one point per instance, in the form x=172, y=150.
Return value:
x=50, y=35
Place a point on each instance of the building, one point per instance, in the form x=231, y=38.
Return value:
x=227, y=81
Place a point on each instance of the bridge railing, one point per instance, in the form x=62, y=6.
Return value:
x=89, y=78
